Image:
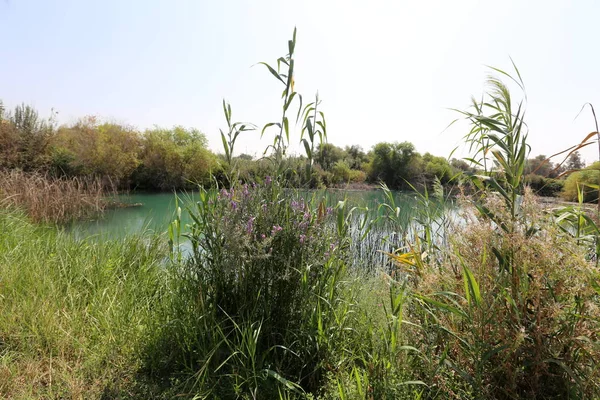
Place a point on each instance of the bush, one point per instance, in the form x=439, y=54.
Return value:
x=522, y=328
x=255, y=304
x=542, y=186
x=91, y=148
x=174, y=158
x=580, y=180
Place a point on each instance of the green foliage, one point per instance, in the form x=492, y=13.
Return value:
x=173, y=159
x=24, y=138
x=437, y=168
x=327, y=155
x=394, y=163
x=91, y=148
x=586, y=180
x=543, y=186
x=73, y=314
x=263, y=282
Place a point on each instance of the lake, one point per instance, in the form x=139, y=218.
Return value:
x=156, y=210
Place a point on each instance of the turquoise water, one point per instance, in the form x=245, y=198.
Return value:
x=154, y=211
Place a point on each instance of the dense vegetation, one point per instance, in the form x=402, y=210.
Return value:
x=178, y=158
x=278, y=295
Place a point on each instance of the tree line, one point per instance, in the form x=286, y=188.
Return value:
x=179, y=158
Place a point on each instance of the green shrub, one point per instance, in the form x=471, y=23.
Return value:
x=542, y=186
x=257, y=299
x=582, y=179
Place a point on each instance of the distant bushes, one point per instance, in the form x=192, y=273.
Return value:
x=585, y=180
x=547, y=187
x=163, y=159
x=156, y=159
x=174, y=159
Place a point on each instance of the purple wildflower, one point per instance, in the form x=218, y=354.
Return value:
x=250, y=225
x=245, y=191
x=329, y=210
x=234, y=205
x=262, y=236
x=276, y=228
x=224, y=193
x=267, y=180
x=302, y=239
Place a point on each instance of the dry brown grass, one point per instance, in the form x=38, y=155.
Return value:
x=529, y=332
x=47, y=199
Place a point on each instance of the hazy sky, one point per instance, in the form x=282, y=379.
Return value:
x=386, y=70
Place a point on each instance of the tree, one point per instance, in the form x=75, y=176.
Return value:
x=436, y=167
x=394, y=163
x=574, y=162
x=355, y=157
x=461, y=165
x=328, y=154
x=539, y=166
x=24, y=138
x=90, y=148
x=173, y=159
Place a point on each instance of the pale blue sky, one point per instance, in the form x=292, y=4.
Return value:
x=386, y=70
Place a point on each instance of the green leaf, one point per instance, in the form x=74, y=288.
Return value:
x=307, y=148
x=286, y=127
x=227, y=112
x=273, y=72
x=225, y=145
x=471, y=286
x=277, y=124
x=289, y=101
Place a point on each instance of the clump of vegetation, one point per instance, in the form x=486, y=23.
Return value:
x=47, y=199
x=74, y=313
x=507, y=313
x=585, y=180
x=257, y=299
x=262, y=295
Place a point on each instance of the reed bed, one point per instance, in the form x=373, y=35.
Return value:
x=52, y=200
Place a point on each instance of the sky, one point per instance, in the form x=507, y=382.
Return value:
x=385, y=70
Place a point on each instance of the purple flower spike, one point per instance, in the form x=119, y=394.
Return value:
x=302, y=239
x=250, y=225
x=267, y=180
x=276, y=228
x=234, y=205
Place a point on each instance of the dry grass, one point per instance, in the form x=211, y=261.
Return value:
x=47, y=199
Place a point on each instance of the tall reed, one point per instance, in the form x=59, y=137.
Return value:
x=47, y=199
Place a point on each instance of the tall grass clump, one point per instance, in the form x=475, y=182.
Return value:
x=511, y=311
x=255, y=310
x=46, y=199
x=73, y=314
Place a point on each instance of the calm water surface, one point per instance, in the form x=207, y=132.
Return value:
x=156, y=210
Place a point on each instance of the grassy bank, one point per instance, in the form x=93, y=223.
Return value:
x=72, y=313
